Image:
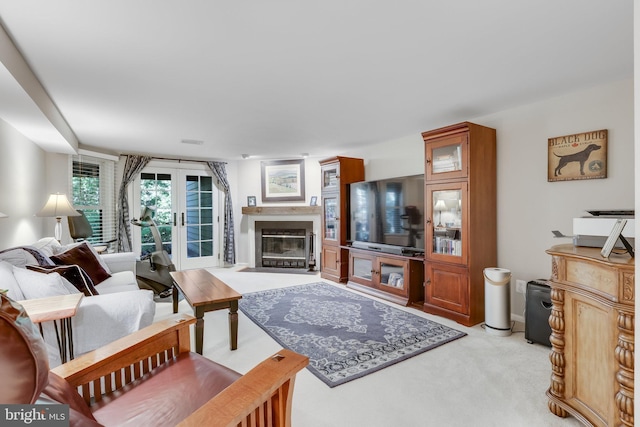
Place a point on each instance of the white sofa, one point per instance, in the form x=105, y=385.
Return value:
x=119, y=309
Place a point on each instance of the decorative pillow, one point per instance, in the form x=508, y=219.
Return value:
x=83, y=256
x=62, y=249
x=24, y=255
x=73, y=273
x=8, y=282
x=38, y=285
x=47, y=245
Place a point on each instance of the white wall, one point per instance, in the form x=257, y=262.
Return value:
x=399, y=157
x=529, y=207
x=247, y=182
x=22, y=193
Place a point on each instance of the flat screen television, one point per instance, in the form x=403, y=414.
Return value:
x=388, y=215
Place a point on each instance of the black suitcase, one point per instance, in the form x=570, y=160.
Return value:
x=537, y=312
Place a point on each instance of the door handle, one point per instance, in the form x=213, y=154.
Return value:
x=182, y=215
x=175, y=219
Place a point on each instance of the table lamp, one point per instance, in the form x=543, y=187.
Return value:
x=57, y=206
x=440, y=206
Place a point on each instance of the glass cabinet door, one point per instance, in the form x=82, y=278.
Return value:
x=330, y=177
x=446, y=157
x=392, y=273
x=362, y=270
x=331, y=221
x=446, y=223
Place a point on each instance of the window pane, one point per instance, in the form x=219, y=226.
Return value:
x=193, y=233
x=92, y=190
x=193, y=216
x=206, y=232
x=163, y=217
x=85, y=170
x=155, y=191
x=147, y=248
x=206, y=248
x=206, y=183
x=206, y=216
x=193, y=249
x=165, y=236
x=206, y=200
x=192, y=183
x=163, y=198
x=192, y=200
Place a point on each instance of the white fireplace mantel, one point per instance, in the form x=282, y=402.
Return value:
x=281, y=213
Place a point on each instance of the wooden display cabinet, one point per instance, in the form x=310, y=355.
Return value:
x=592, y=336
x=460, y=219
x=337, y=173
x=395, y=278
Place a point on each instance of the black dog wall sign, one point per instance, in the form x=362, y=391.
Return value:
x=578, y=156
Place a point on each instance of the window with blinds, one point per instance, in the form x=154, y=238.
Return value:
x=93, y=192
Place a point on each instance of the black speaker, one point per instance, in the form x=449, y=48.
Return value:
x=537, y=312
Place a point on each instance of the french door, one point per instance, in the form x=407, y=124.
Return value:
x=185, y=209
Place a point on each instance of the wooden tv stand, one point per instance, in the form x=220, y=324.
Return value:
x=395, y=278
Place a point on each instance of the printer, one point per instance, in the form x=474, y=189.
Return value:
x=594, y=230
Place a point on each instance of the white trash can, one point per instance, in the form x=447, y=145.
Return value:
x=497, y=301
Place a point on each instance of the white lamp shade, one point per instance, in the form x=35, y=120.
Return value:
x=57, y=206
x=440, y=206
x=2, y=215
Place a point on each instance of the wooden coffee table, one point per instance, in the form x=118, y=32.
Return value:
x=205, y=292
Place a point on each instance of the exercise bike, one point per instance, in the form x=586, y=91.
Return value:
x=152, y=270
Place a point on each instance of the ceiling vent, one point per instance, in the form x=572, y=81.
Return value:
x=192, y=141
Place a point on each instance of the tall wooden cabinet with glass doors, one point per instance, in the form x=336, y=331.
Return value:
x=460, y=199
x=337, y=173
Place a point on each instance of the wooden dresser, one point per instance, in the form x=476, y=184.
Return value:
x=592, y=336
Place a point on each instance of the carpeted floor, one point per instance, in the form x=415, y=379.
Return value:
x=345, y=335
x=481, y=380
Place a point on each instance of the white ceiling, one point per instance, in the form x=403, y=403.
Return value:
x=282, y=77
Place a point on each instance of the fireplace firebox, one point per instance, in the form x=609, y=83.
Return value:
x=283, y=244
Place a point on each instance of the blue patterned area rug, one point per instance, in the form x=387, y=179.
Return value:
x=345, y=335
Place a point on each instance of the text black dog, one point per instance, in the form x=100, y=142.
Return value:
x=580, y=156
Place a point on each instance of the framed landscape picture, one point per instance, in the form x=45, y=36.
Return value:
x=283, y=181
